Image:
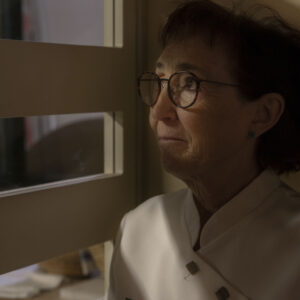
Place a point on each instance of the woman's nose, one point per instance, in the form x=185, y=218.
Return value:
x=163, y=109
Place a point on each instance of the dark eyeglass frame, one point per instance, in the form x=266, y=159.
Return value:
x=161, y=80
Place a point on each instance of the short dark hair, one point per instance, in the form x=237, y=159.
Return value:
x=265, y=58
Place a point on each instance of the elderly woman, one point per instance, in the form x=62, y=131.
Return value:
x=224, y=106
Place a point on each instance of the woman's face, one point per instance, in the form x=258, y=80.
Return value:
x=214, y=130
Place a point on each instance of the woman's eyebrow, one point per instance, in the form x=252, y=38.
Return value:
x=184, y=66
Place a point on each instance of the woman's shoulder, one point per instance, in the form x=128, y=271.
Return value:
x=158, y=207
x=287, y=200
x=280, y=217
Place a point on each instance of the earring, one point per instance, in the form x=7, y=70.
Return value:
x=251, y=134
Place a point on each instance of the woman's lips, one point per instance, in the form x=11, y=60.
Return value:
x=170, y=139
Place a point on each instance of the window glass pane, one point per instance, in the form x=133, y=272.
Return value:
x=77, y=22
x=64, y=21
x=43, y=149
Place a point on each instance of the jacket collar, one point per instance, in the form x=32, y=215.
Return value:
x=232, y=212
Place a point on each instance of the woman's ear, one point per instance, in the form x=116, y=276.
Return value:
x=270, y=107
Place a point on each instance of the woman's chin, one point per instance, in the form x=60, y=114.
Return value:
x=174, y=162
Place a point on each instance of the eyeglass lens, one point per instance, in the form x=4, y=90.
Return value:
x=149, y=88
x=183, y=88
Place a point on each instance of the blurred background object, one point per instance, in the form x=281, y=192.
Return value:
x=44, y=149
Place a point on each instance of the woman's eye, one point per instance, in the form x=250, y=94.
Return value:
x=190, y=83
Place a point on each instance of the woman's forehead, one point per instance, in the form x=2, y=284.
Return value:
x=192, y=55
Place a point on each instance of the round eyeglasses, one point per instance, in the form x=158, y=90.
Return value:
x=183, y=87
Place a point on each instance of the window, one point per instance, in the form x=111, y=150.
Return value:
x=51, y=79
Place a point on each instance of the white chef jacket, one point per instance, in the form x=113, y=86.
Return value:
x=250, y=248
